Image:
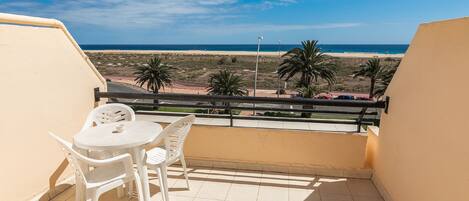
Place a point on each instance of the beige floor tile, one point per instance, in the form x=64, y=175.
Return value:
x=364, y=198
x=199, y=173
x=180, y=188
x=336, y=198
x=303, y=195
x=247, y=177
x=274, y=179
x=174, y=198
x=204, y=199
x=362, y=187
x=112, y=195
x=214, y=190
x=221, y=175
x=243, y=192
x=251, y=173
x=240, y=185
x=269, y=193
x=301, y=181
x=333, y=186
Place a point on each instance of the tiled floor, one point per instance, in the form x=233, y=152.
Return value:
x=238, y=185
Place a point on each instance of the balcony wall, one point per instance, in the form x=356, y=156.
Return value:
x=272, y=149
x=422, y=152
x=46, y=85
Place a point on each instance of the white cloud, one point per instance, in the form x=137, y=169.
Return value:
x=125, y=13
x=197, y=16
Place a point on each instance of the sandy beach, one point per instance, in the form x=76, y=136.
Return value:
x=240, y=53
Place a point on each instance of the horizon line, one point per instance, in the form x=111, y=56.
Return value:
x=241, y=44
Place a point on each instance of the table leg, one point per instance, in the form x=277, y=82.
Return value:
x=142, y=171
x=164, y=174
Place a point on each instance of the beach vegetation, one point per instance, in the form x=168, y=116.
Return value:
x=384, y=79
x=222, y=61
x=234, y=59
x=196, y=69
x=155, y=75
x=309, y=62
x=372, y=70
x=226, y=83
x=308, y=92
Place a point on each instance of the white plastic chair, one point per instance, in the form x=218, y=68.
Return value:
x=159, y=159
x=105, y=175
x=109, y=113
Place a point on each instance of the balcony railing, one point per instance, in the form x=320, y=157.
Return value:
x=341, y=111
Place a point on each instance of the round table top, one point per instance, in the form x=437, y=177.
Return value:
x=104, y=137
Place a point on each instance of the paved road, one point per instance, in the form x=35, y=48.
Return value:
x=122, y=87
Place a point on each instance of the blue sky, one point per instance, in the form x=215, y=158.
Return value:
x=240, y=21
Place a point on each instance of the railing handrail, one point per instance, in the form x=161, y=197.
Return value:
x=245, y=99
x=227, y=101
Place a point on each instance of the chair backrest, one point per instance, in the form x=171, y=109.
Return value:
x=71, y=155
x=174, y=136
x=109, y=113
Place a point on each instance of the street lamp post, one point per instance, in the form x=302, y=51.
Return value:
x=278, y=75
x=259, y=39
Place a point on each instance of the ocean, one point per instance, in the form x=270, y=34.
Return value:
x=382, y=49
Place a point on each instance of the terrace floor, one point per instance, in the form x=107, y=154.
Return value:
x=238, y=185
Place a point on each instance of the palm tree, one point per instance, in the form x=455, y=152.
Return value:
x=308, y=92
x=155, y=75
x=372, y=69
x=384, y=79
x=309, y=62
x=226, y=83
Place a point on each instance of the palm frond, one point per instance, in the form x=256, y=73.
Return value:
x=155, y=75
x=307, y=61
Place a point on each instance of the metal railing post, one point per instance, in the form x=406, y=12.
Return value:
x=231, y=114
x=97, y=96
x=386, y=105
x=360, y=119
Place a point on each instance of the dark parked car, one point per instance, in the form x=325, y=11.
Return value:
x=345, y=97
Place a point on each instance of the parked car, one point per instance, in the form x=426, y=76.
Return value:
x=324, y=96
x=363, y=98
x=345, y=97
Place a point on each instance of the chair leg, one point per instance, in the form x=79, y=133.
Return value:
x=160, y=179
x=92, y=196
x=120, y=192
x=131, y=188
x=184, y=167
x=139, y=187
x=164, y=172
x=95, y=198
x=80, y=191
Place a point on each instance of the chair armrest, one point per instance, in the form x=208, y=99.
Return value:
x=124, y=158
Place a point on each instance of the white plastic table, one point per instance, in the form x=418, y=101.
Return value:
x=135, y=136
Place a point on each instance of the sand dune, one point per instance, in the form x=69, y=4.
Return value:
x=241, y=53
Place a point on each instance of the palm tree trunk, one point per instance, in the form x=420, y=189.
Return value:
x=372, y=87
x=303, y=81
x=156, y=101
